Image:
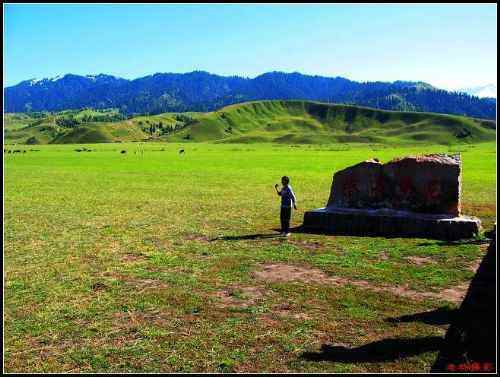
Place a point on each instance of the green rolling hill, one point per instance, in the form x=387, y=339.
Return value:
x=293, y=122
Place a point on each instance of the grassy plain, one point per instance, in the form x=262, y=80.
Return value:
x=153, y=261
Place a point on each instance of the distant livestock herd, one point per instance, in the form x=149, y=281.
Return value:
x=83, y=149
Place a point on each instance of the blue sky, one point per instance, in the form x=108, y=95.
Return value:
x=450, y=46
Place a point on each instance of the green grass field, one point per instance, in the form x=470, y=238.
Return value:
x=139, y=261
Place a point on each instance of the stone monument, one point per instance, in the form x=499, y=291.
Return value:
x=417, y=196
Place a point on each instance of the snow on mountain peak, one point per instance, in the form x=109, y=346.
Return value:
x=488, y=90
x=55, y=78
x=35, y=81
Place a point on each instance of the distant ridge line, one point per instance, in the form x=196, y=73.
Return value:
x=204, y=91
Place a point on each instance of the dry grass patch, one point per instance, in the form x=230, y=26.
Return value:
x=130, y=258
x=455, y=294
x=139, y=283
x=308, y=245
x=196, y=237
x=238, y=296
x=288, y=310
x=384, y=255
x=286, y=273
x=420, y=260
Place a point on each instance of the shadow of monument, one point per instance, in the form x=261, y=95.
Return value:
x=440, y=316
x=382, y=350
x=472, y=241
x=367, y=234
x=471, y=337
x=300, y=229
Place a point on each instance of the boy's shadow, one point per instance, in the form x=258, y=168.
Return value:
x=259, y=236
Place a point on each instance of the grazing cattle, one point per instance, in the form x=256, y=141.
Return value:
x=181, y=151
x=123, y=152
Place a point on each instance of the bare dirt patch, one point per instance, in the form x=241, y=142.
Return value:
x=384, y=255
x=285, y=273
x=132, y=257
x=159, y=243
x=289, y=313
x=236, y=296
x=197, y=237
x=139, y=283
x=162, y=244
x=269, y=321
x=301, y=316
x=484, y=247
x=99, y=286
x=308, y=245
x=420, y=260
x=455, y=294
x=130, y=319
x=475, y=265
x=126, y=325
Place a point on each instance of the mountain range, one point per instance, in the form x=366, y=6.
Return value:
x=203, y=91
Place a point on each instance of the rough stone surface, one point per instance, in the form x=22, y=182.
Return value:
x=389, y=222
x=411, y=196
x=423, y=184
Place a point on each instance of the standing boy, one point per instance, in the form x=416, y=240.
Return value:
x=287, y=199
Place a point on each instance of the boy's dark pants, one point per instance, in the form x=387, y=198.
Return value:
x=285, y=215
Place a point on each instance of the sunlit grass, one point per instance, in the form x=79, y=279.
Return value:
x=114, y=262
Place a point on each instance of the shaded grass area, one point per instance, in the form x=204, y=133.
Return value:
x=139, y=261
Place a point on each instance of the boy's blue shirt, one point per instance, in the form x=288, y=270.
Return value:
x=287, y=196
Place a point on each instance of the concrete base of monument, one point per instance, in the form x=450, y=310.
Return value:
x=388, y=222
